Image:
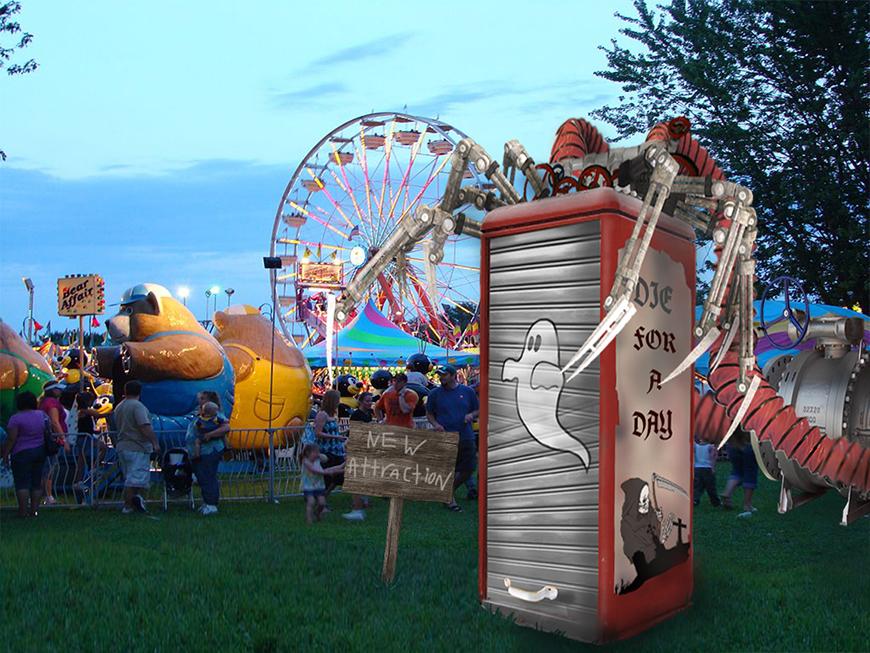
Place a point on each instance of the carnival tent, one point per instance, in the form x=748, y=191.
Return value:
x=777, y=328
x=371, y=340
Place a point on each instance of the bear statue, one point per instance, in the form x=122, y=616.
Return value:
x=246, y=336
x=21, y=370
x=161, y=344
x=348, y=387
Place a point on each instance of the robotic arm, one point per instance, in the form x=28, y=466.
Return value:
x=440, y=221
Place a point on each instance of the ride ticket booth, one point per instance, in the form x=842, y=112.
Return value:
x=586, y=510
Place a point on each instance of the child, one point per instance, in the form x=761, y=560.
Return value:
x=313, y=485
x=207, y=422
x=705, y=460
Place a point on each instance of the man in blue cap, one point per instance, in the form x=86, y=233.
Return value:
x=453, y=407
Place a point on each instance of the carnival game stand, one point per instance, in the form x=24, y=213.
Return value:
x=585, y=521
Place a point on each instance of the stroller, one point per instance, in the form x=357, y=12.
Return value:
x=177, y=476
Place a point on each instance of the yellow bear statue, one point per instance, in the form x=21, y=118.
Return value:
x=246, y=336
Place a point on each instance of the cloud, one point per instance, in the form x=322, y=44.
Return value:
x=356, y=53
x=290, y=99
x=583, y=93
x=576, y=101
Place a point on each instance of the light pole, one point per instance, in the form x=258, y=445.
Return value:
x=28, y=283
x=207, y=295
x=184, y=293
x=229, y=292
x=211, y=292
x=272, y=263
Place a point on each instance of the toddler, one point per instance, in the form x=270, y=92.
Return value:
x=207, y=421
x=705, y=477
x=313, y=485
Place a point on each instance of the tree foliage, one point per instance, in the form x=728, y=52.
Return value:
x=778, y=92
x=461, y=314
x=11, y=34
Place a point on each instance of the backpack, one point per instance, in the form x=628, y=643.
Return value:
x=52, y=444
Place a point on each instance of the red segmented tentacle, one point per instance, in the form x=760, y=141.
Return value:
x=840, y=462
x=576, y=138
x=837, y=461
x=686, y=146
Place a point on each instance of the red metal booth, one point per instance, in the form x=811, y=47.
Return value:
x=586, y=511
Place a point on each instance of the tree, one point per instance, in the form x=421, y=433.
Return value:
x=8, y=29
x=778, y=92
x=461, y=314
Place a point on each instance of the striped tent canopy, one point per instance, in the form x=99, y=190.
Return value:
x=371, y=340
x=777, y=327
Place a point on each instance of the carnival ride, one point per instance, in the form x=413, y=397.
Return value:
x=672, y=173
x=272, y=378
x=349, y=193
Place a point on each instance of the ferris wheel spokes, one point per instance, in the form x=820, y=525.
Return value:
x=377, y=170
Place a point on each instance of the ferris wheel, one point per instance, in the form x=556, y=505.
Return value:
x=341, y=204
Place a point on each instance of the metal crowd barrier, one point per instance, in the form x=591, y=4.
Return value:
x=259, y=464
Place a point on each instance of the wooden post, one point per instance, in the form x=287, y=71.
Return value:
x=82, y=346
x=394, y=525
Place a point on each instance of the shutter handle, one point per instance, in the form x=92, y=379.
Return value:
x=546, y=592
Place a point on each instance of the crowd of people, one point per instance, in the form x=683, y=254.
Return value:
x=67, y=421
x=409, y=400
x=447, y=406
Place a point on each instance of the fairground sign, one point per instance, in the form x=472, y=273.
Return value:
x=81, y=295
x=400, y=463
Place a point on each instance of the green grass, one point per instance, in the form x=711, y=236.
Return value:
x=256, y=578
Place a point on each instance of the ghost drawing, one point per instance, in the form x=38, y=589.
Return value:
x=539, y=384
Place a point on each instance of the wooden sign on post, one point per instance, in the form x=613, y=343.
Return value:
x=78, y=296
x=400, y=463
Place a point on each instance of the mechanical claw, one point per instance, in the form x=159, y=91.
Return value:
x=603, y=335
x=620, y=309
x=733, y=328
x=664, y=171
x=703, y=345
x=744, y=406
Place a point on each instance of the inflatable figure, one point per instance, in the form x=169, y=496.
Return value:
x=380, y=381
x=417, y=367
x=419, y=362
x=21, y=370
x=246, y=336
x=349, y=387
x=73, y=363
x=167, y=350
x=104, y=405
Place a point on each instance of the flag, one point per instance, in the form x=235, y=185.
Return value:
x=94, y=321
x=37, y=326
x=48, y=328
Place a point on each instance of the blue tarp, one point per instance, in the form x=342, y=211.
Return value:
x=371, y=340
x=777, y=328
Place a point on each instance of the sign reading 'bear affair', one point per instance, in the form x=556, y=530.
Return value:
x=392, y=461
x=81, y=295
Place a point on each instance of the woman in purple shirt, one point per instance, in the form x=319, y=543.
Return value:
x=26, y=449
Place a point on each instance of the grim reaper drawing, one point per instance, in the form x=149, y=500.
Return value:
x=644, y=530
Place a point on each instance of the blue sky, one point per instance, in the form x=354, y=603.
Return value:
x=155, y=140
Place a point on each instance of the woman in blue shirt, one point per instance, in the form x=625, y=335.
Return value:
x=208, y=431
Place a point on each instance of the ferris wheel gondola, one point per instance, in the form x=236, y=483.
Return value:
x=344, y=200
